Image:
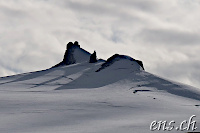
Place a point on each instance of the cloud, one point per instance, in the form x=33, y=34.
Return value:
x=185, y=72
x=170, y=37
x=163, y=34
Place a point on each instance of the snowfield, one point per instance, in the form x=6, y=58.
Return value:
x=120, y=98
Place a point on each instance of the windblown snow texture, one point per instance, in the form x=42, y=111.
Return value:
x=118, y=57
x=75, y=96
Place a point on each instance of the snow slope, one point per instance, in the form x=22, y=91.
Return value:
x=120, y=98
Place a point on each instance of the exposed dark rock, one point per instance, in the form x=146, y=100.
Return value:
x=117, y=57
x=76, y=44
x=72, y=57
x=69, y=54
x=135, y=91
x=93, y=58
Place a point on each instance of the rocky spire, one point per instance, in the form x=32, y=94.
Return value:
x=76, y=44
x=69, y=57
x=93, y=58
x=74, y=54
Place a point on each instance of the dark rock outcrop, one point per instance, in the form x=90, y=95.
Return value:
x=93, y=58
x=69, y=54
x=75, y=54
x=117, y=57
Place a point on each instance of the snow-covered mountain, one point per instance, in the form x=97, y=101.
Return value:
x=82, y=96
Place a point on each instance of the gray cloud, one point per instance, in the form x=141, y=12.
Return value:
x=143, y=5
x=187, y=72
x=170, y=37
x=100, y=9
x=163, y=34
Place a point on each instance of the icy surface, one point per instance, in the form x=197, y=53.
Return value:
x=121, y=98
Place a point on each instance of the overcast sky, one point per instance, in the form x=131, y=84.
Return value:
x=164, y=34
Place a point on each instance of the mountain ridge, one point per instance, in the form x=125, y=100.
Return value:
x=101, y=73
x=83, y=95
x=69, y=57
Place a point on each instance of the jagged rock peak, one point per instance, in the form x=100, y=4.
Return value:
x=74, y=54
x=117, y=57
x=69, y=53
x=93, y=57
x=71, y=45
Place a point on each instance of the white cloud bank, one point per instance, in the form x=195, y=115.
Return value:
x=165, y=35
